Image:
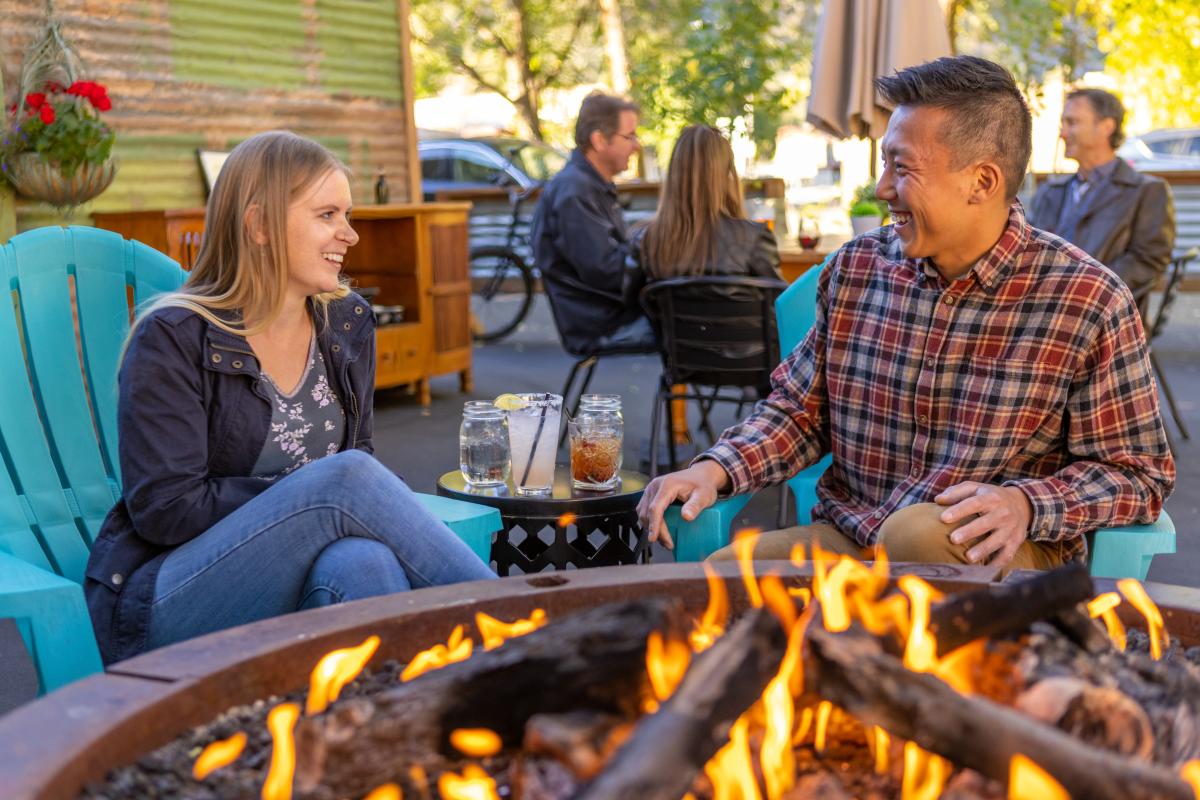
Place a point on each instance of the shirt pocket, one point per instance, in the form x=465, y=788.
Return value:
x=1002, y=407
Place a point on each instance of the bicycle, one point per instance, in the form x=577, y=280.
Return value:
x=504, y=278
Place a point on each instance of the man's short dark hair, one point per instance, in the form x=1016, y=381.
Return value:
x=1107, y=106
x=988, y=117
x=600, y=112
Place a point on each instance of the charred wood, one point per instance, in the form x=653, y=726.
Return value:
x=594, y=660
x=661, y=759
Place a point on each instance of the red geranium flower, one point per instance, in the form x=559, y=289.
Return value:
x=102, y=103
x=47, y=113
x=35, y=100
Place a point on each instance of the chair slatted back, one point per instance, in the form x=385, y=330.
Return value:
x=716, y=331
x=1175, y=274
x=58, y=407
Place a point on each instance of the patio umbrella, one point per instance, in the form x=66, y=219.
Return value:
x=859, y=40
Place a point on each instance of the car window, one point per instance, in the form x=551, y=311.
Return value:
x=539, y=162
x=475, y=169
x=438, y=168
x=1195, y=148
x=1164, y=147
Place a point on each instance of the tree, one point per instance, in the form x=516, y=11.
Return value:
x=716, y=62
x=515, y=48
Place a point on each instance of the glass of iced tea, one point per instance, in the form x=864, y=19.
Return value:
x=597, y=436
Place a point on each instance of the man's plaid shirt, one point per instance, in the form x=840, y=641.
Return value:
x=1031, y=370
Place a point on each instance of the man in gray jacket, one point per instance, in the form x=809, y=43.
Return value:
x=1118, y=216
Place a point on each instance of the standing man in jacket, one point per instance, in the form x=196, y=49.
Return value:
x=1121, y=218
x=580, y=241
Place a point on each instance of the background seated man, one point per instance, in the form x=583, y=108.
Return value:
x=1118, y=216
x=983, y=386
x=580, y=241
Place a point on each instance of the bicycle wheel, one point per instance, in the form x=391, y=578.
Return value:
x=501, y=292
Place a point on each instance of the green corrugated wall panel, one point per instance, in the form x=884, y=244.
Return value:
x=157, y=171
x=360, y=47
x=240, y=44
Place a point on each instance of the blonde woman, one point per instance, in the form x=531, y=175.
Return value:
x=245, y=418
x=700, y=227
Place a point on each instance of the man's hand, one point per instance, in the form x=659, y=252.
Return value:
x=697, y=485
x=1003, y=516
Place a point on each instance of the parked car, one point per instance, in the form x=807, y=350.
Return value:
x=484, y=162
x=1168, y=149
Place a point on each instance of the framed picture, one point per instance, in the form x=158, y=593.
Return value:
x=211, y=162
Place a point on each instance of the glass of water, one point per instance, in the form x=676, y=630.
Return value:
x=483, y=444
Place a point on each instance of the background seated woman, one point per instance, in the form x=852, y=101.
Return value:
x=700, y=227
x=245, y=419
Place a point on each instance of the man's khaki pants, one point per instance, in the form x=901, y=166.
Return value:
x=914, y=533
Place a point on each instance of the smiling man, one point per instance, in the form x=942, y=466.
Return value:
x=983, y=386
x=580, y=241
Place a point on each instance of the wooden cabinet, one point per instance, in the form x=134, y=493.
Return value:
x=415, y=254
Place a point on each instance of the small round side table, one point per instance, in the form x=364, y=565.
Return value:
x=570, y=527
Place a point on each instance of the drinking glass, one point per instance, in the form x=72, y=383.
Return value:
x=810, y=233
x=596, y=434
x=533, y=439
x=483, y=444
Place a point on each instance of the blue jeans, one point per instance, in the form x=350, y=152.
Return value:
x=341, y=528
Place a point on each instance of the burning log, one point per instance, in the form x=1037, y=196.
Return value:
x=1009, y=607
x=594, y=661
x=851, y=670
x=668, y=748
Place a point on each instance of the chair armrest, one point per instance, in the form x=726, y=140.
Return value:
x=473, y=523
x=708, y=532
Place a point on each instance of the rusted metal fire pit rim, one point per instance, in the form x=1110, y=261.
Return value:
x=55, y=745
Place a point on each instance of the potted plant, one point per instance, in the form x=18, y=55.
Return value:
x=867, y=212
x=58, y=149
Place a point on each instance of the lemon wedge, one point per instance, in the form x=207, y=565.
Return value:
x=509, y=402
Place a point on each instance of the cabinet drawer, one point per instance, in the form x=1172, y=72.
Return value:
x=400, y=354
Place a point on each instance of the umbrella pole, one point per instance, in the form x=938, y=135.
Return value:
x=874, y=156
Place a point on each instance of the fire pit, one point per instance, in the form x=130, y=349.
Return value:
x=55, y=746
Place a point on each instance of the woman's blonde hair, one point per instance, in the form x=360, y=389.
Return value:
x=233, y=272
x=701, y=187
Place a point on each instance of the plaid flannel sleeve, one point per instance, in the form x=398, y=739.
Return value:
x=789, y=430
x=1122, y=469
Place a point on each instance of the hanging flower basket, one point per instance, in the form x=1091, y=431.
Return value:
x=42, y=180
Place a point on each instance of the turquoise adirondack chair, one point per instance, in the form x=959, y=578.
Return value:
x=1124, y=552
x=58, y=430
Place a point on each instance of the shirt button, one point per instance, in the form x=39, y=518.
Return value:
x=929, y=362
x=948, y=300
x=358, y=309
x=345, y=326
x=216, y=358
x=337, y=348
x=915, y=471
x=237, y=364
x=922, y=419
x=878, y=515
x=118, y=579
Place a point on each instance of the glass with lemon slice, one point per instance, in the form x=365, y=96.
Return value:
x=533, y=421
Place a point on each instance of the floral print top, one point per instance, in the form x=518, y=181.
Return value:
x=306, y=425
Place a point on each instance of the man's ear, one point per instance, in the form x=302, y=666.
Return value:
x=598, y=140
x=1107, y=126
x=253, y=220
x=988, y=182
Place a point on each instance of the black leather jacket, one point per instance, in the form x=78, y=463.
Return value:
x=743, y=247
x=192, y=421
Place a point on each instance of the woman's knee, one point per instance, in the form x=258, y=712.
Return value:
x=354, y=567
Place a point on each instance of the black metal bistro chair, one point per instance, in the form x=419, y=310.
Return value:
x=715, y=333
x=1156, y=323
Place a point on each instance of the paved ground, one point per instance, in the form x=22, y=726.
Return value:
x=422, y=443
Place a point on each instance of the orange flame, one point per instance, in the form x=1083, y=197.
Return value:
x=280, y=722
x=743, y=545
x=417, y=773
x=778, y=601
x=473, y=784
x=476, y=742
x=924, y=774
x=1155, y=629
x=1190, y=772
x=712, y=624
x=730, y=770
x=666, y=663
x=920, y=651
x=218, y=754
x=495, y=633
x=881, y=742
x=388, y=791
x=776, y=756
x=566, y=520
x=334, y=671
x=455, y=649
x=957, y=668
x=1028, y=781
x=1104, y=606
x=824, y=712
x=797, y=555
x=806, y=720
